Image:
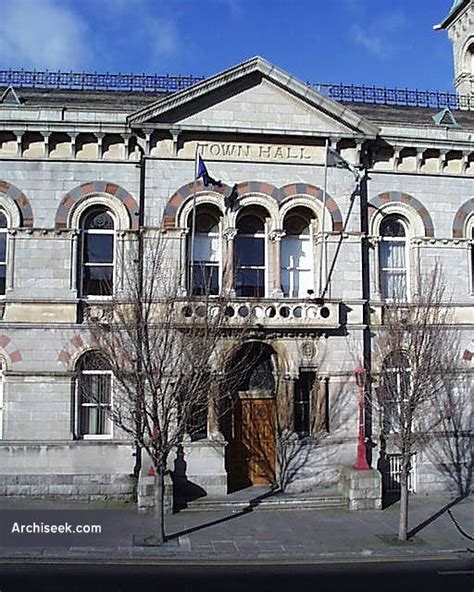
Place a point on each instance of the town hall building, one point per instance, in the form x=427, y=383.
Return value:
x=332, y=200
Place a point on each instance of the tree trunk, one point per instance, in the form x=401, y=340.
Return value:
x=159, y=506
x=403, y=524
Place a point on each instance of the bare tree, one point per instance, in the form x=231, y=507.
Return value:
x=162, y=350
x=417, y=349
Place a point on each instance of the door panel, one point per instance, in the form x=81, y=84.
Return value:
x=251, y=450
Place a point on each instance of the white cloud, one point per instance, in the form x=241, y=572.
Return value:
x=380, y=36
x=42, y=34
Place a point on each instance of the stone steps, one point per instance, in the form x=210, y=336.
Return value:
x=321, y=502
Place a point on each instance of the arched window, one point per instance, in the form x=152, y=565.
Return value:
x=93, y=396
x=249, y=256
x=3, y=253
x=97, y=253
x=205, y=252
x=2, y=366
x=393, y=259
x=395, y=390
x=297, y=256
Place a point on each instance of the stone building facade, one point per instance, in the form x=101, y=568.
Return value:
x=77, y=170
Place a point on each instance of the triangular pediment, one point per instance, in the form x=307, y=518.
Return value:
x=254, y=96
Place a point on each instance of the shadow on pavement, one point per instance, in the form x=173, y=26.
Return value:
x=435, y=516
x=252, y=503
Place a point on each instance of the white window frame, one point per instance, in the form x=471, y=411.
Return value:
x=5, y=261
x=218, y=264
x=307, y=238
x=83, y=265
x=80, y=405
x=260, y=235
x=2, y=381
x=382, y=270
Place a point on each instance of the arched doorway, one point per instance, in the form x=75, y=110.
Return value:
x=249, y=425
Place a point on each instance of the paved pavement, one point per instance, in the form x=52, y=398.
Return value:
x=241, y=536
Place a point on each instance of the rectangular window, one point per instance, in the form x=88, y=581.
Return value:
x=302, y=409
x=3, y=262
x=94, y=403
x=206, y=265
x=393, y=270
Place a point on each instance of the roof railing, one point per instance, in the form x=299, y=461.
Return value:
x=154, y=83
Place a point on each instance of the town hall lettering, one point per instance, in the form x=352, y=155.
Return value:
x=256, y=151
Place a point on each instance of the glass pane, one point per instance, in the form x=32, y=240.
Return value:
x=391, y=226
x=206, y=223
x=98, y=220
x=3, y=246
x=98, y=281
x=394, y=285
x=3, y=274
x=88, y=421
x=250, y=283
x=98, y=248
x=295, y=252
x=3, y=220
x=249, y=251
x=296, y=225
x=261, y=377
x=250, y=225
x=205, y=280
x=206, y=248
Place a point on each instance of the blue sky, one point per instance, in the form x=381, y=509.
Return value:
x=380, y=42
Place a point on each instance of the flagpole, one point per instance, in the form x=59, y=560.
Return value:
x=323, y=236
x=193, y=227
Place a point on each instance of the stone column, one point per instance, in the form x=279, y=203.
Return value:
x=285, y=403
x=213, y=432
x=319, y=401
x=275, y=263
x=228, y=260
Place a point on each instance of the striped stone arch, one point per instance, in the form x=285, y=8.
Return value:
x=383, y=199
x=185, y=192
x=305, y=189
x=461, y=216
x=76, y=194
x=9, y=351
x=22, y=202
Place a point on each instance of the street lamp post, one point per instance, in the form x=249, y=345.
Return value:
x=361, y=460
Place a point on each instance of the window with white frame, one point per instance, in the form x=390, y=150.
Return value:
x=393, y=259
x=3, y=252
x=472, y=259
x=396, y=389
x=205, y=252
x=97, y=252
x=93, y=396
x=249, y=256
x=1, y=398
x=297, y=256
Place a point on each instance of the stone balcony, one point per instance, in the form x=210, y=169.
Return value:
x=271, y=313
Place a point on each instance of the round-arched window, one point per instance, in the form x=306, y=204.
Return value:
x=3, y=252
x=205, y=252
x=97, y=253
x=249, y=256
x=297, y=256
x=393, y=259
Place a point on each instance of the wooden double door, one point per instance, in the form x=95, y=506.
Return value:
x=251, y=449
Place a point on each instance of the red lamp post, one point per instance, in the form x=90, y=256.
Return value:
x=361, y=461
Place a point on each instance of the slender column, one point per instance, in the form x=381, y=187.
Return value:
x=213, y=432
x=275, y=241
x=228, y=260
x=285, y=403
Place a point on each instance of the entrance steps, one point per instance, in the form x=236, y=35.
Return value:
x=262, y=498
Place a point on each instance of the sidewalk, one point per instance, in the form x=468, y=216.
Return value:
x=288, y=536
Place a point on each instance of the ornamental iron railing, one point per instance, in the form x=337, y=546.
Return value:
x=403, y=97
x=96, y=81
x=154, y=83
